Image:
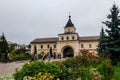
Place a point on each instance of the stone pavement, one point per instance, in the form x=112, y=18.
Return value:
x=9, y=68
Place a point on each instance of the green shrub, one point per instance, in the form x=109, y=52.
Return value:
x=67, y=69
x=71, y=62
x=82, y=73
x=105, y=68
x=115, y=79
x=94, y=62
x=42, y=55
x=20, y=58
x=87, y=61
x=36, y=67
x=116, y=73
x=19, y=54
x=71, y=70
x=93, y=72
x=80, y=67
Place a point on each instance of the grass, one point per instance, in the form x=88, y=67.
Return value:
x=117, y=72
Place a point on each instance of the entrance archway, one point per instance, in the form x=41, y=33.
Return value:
x=68, y=52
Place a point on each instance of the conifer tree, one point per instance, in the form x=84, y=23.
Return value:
x=102, y=44
x=51, y=51
x=3, y=45
x=113, y=35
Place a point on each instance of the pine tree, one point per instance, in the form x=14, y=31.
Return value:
x=3, y=45
x=102, y=44
x=113, y=37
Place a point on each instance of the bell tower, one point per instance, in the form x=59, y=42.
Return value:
x=68, y=40
x=69, y=32
x=69, y=27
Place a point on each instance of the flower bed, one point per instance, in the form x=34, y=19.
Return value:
x=38, y=70
x=77, y=68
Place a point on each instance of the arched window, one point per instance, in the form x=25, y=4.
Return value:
x=73, y=37
x=54, y=45
x=41, y=46
x=67, y=38
x=90, y=45
x=82, y=46
x=62, y=38
x=48, y=46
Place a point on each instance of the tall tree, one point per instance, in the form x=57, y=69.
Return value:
x=51, y=51
x=113, y=37
x=3, y=45
x=102, y=44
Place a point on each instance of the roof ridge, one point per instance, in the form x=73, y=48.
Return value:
x=47, y=38
x=88, y=36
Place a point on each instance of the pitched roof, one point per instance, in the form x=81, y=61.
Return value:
x=55, y=39
x=45, y=40
x=89, y=38
x=69, y=23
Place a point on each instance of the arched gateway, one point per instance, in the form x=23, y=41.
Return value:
x=67, y=51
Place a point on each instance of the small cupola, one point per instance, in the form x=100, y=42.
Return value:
x=69, y=27
x=69, y=23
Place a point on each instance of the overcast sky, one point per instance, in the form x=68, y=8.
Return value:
x=24, y=20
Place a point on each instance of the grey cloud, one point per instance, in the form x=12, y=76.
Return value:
x=24, y=20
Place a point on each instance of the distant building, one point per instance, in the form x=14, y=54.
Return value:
x=68, y=44
x=16, y=46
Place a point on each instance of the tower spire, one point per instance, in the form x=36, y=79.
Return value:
x=114, y=2
x=69, y=23
x=69, y=16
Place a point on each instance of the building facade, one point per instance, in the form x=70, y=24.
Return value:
x=67, y=44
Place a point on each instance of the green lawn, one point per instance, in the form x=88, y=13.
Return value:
x=117, y=72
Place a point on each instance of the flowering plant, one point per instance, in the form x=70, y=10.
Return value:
x=43, y=76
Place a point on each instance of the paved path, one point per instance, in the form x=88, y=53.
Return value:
x=8, y=68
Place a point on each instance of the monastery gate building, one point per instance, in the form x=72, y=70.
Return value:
x=68, y=44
